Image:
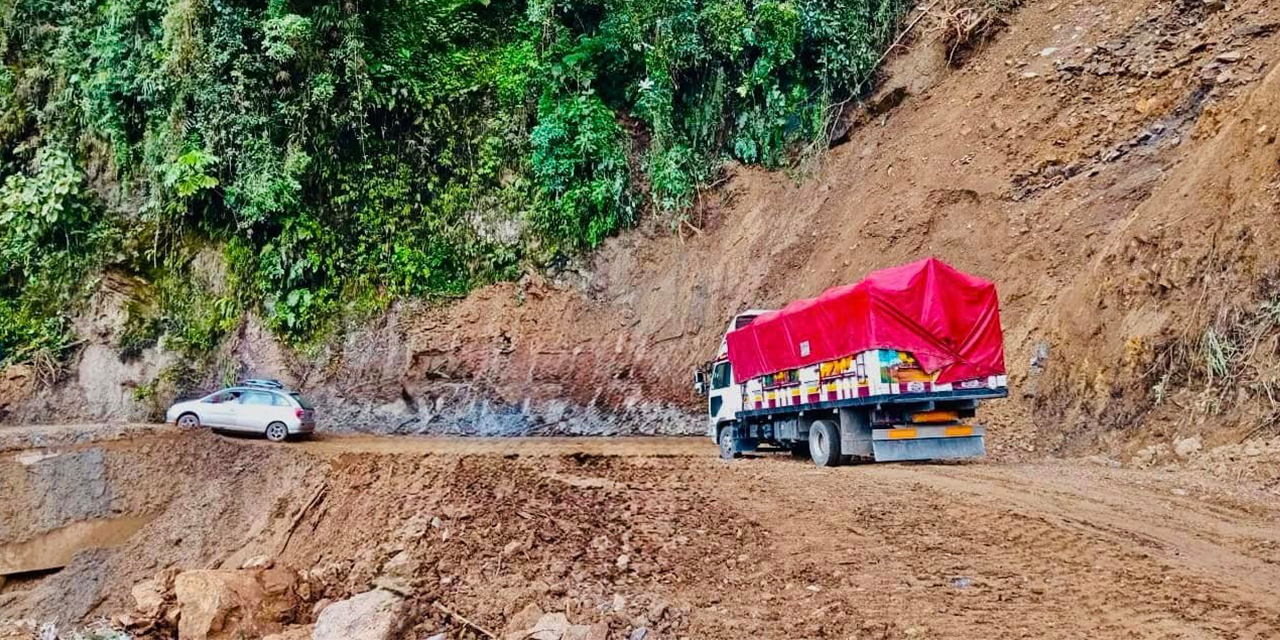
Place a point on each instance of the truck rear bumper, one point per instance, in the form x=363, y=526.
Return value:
x=928, y=443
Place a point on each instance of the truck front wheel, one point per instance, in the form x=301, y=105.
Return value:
x=725, y=440
x=824, y=443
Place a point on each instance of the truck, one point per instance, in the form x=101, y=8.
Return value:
x=890, y=368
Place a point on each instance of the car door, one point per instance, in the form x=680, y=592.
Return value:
x=256, y=411
x=219, y=410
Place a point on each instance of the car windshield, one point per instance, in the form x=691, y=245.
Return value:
x=301, y=403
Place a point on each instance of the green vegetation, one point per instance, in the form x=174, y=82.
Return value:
x=1228, y=359
x=343, y=153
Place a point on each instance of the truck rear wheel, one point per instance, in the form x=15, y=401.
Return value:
x=824, y=443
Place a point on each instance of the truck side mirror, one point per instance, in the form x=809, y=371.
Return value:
x=700, y=382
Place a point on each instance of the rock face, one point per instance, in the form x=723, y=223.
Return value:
x=226, y=605
x=372, y=615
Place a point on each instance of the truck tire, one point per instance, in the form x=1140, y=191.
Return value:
x=824, y=443
x=724, y=438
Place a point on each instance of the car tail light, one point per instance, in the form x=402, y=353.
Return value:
x=299, y=413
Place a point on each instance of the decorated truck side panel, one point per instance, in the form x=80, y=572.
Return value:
x=882, y=372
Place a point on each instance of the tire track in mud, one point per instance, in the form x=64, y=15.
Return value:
x=1133, y=570
x=984, y=551
x=1188, y=532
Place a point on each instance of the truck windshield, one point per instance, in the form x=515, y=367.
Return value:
x=721, y=375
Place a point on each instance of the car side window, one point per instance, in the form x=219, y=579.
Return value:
x=256, y=398
x=720, y=376
x=279, y=400
x=225, y=396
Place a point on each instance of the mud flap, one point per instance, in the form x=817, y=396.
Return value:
x=929, y=448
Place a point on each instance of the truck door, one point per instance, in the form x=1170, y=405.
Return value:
x=725, y=398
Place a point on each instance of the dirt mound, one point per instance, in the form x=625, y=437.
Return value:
x=487, y=535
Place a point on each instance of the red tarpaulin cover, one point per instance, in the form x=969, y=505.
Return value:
x=948, y=319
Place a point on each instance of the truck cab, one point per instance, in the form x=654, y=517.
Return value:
x=715, y=381
x=724, y=400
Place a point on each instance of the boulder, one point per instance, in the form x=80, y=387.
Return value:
x=398, y=574
x=372, y=615
x=231, y=604
x=1187, y=447
x=525, y=619
x=149, y=596
x=550, y=626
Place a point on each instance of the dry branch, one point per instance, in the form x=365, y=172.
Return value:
x=457, y=616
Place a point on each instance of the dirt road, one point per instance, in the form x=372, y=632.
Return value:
x=1044, y=550
x=657, y=532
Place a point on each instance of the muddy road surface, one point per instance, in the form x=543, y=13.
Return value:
x=658, y=534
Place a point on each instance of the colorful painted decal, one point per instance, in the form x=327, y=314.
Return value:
x=891, y=372
x=782, y=378
x=833, y=368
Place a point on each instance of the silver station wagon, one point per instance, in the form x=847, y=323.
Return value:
x=256, y=406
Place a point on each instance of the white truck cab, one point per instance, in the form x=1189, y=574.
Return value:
x=724, y=398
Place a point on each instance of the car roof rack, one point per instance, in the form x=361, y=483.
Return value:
x=265, y=383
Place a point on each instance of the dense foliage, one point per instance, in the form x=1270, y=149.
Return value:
x=345, y=152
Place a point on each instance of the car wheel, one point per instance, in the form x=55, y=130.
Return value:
x=277, y=432
x=188, y=421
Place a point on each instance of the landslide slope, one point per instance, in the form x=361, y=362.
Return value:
x=1112, y=166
